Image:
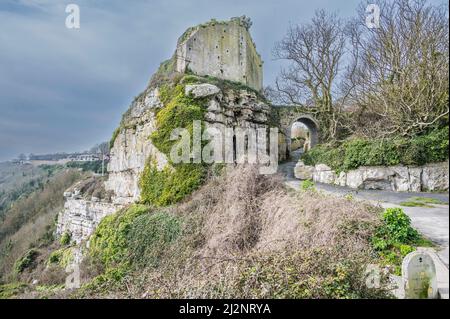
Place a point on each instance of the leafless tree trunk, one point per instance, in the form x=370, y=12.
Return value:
x=314, y=52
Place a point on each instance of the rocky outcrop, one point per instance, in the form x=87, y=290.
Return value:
x=235, y=108
x=302, y=171
x=132, y=148
x=430, y=177
x=81, y=216
x=435, y=177
x=229, y=106
x=201, y=90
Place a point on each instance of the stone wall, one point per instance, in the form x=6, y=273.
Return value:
x=430, y=177
x=221, y=49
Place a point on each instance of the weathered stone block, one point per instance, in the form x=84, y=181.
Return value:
x=400, y=178
x=303, y=172
x=415, y=176
x=435, y=176
x=201, y=90
x=221, y=49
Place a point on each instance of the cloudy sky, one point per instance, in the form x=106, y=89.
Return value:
x=65, y=89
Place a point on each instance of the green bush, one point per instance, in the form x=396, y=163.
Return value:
x=396, y=228
x=169, y=186
x=109, y=242
x=12, y=289
x=351, y=154
x=307, y=185
x=175, y=181
x=62, y=257
x=130, y=238
x=65, y=238
x=149, y=236
x=395, y=238
x=26, y=261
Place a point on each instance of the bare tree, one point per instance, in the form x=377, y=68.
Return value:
x=398, y=78
x=315, y=52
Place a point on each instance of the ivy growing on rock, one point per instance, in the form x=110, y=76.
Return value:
x=176, y=180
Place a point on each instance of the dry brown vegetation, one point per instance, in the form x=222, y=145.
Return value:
x=244, y=235
x=30, y=221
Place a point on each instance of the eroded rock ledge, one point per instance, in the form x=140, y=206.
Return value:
x=430, y=177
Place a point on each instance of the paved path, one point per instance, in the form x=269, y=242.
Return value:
x=431, y=222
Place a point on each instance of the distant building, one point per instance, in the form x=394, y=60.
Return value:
x=86, y=158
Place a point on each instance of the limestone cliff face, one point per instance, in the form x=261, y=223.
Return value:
x=131, y=150
x=228, y=106
x=225, y=108
x=81, y=216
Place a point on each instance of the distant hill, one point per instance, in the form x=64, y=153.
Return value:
x=18, y=180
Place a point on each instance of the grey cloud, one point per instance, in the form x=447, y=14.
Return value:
x=63, y=90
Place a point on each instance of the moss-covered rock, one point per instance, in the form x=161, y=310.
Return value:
x=177, y=180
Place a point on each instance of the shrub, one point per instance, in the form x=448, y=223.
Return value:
x=26, y=261
x=65, y=238
x=304, y=274
x=12, y=289
x=149, y=236
x=175, y=181
x=109, y=241
x=397, y=227
x=169, y=186
x=307, y=185
x=395, y=238
x=419, y=150
x=62, y=257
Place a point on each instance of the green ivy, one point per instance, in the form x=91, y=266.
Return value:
x=65, y=238
x=25, y=261
x=307, y=185
x=149, y=236
x=109, y=242
x=175, y=181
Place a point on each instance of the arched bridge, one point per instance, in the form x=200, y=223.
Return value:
x=288, y=115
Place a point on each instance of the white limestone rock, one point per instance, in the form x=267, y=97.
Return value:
x=302, y=171
x=324, y=174
x=131, y=150
x=201, y=90
x=435, y=177
x=355, y=178
x=80, y=217
x=400, y=178
x=341, y=180
x=322, y=168
x=415, y=176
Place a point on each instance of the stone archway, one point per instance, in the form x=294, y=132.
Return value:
x=287, y=116
x=312, y=126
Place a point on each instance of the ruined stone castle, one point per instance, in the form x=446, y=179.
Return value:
x=224, y=50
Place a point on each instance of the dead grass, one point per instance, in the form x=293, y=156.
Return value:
x=246, y=236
